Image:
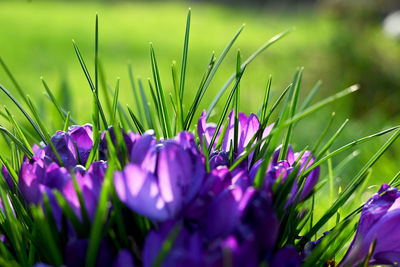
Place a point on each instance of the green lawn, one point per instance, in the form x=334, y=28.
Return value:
x=36, y=41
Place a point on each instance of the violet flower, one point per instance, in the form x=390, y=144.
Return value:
x=73, y=146
x=42, y=173
x=162, y=178
x=247, y=128
x=281, y=170
x=186, y=248
x=379, y=221
x=76, y=250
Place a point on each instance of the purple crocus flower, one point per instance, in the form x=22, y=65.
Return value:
x=259, y=222
x=379, y=221
x=287, y=257
x=186, y=248
x=281, y=170
x=215, y=183
x=162, y=178
x=73, y=146
x=43, y=173
x=129, y=140
x=247, y=128
x=76, y=249
x=8, y=178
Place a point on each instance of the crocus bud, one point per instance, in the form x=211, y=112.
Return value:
x=379, y=222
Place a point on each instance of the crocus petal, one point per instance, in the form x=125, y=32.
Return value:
x=124, y=259
x=65, y=147
x=139, y=190
x=143, y=153
x=56, y=176
x=223, y=214
x=250, y=128
x=287, y=256
x=174, y=172
x=378, y=221
x=7, y=177
x=185, y=250
x=206, y=129
x=30, y=177
x=83, y=138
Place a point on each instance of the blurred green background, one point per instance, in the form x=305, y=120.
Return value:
x=338, y=42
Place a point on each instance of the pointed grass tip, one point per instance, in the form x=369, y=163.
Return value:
x=354, y=87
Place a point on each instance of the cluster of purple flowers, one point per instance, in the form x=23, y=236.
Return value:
x=196, y=217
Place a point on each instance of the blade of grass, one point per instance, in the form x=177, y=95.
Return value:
x=27, y=150
x=331, y=140
x=44, y=130
x=224, y=111
x=199, y=94
x=324, y=132
x=13, y=80
x=322, y=104
x=18, y=129
x=160, y=93
x=292, y=111
x=184, y=59
x=347, y=146
x=89, y=79
x=248, y=61
x=236, y=106
x=352, y=186
x=310, y=96
x=53, y=99
x=139, y=127
x=145, y=105
x=102, y=210
x=135, y=94
x=115, y=102
x=35, y=126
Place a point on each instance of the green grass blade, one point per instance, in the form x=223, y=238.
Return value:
x=323, y=134
x=137, y=123
x=35, y=126
x=348, y=146
x=205, y=152
x=135, y=93
x=96, y=54
x=104, y=87
x=115, y=102
x=179, y=106
x=322, y=104
x=101, y=213
x=160, y=93
x=331, y=140
x=26, y=149
x=199, y=94
x=14, y=81
x=236, y=106
x=292, y=111
x=248, y=61
x=66, y=123
x=145, y=105
x=310, y=96
x=53, y=99
x=266, y=99
x=353, y=185
x=19, y=131
x=44, y=130
x=89, y=79
x=184, y=57
x=224, y=111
